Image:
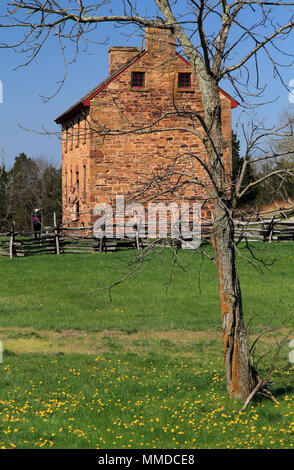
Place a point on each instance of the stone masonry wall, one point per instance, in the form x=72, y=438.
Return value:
x=120, y=158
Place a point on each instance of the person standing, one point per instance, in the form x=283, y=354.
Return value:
x=37, y=223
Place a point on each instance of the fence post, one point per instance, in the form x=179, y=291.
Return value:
x=137, y=237
x=11, y=242
x=56, y=234
x=271, y=229
x=137, y=233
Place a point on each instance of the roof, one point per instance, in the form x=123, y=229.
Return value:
x=84, y=102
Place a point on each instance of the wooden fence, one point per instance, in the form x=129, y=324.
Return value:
x=265, y=230
x=60, y=240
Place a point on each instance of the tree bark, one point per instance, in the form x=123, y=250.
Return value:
x=240, y=375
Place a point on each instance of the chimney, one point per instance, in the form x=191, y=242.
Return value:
x=160, y=40
x=120, y=55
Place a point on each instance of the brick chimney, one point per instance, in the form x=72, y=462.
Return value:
x=160, y=40
x=120, y=55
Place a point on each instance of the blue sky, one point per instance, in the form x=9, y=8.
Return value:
x=23, y=106
x=22, y=102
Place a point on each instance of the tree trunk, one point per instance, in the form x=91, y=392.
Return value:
x=240, y=375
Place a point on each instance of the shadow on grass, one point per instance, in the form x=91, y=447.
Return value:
x=281, y=391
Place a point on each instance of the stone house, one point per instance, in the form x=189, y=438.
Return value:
x=132, y=128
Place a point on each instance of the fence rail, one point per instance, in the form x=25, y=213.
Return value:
x=265, y=230
x=60, y=240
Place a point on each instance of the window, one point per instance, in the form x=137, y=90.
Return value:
x=71, y=135
x=66, y=185
x=77, y=182
x=78, y=133
x=66, y=139
x=85, y=131
x=138, y=79
x=85, y=182
x=184, y=80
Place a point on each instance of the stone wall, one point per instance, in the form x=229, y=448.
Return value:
x=137, y=135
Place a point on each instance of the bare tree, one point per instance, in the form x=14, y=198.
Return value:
x=221, y=40
x=279, y=189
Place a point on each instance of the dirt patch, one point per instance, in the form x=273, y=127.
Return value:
x=30, y=340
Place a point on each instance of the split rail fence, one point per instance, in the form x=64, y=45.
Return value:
x=265, y=230
x=60, y=240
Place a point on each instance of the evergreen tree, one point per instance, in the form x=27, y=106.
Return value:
x=30, y=184
x=250, y=175
x=3, y=196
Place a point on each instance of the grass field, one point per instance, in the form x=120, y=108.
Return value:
x=144, y=370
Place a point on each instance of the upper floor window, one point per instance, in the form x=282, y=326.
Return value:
x=85, y=130
x=138, y=79
x=85, y=182
x=184, y=80
x=71, y=135
x=66, y=185
x=66, y=138
x=78, y=133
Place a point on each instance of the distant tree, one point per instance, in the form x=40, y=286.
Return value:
x=30, y=184
x=4, y=179
x=285, y=187
x=50, y=191
x=24, y=186
x=249, y=177
x=281, y=186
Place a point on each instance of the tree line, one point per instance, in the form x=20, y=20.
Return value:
x=32, y=183
x=279, y=188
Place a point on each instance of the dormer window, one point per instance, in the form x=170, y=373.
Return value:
x=184, y=80
x=138, y=80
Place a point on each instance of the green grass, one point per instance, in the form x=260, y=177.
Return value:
x=134, y=401
x=34, y=292
x=142, y=371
